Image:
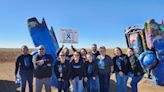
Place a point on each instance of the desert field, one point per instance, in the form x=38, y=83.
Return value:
x=7, y=66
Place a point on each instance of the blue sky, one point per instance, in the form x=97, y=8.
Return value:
x=98, y=21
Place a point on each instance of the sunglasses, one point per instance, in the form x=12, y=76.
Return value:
x=41, y=49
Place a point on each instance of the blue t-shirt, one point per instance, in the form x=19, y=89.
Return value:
x=60, y=69
x=101, y=64
x=90, y=68
x=27, y=61
x=118, y=63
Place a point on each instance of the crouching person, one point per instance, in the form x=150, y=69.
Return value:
x=91, y=74
x=42, y=69
x=61, y=70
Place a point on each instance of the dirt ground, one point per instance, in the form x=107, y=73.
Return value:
x=7, y=84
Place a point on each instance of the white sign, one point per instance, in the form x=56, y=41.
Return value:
x=68, y=36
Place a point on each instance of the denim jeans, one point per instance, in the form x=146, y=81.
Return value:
x=26, y=76
x=63, y=85
x=104, y=82
x=41, y=82
x=134, y=83
x=121, y=82
x=77, y=85
x=92, y=85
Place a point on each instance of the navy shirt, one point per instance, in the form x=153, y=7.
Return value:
x=24, y=63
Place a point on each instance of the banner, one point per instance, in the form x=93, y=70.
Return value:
x=68, y=36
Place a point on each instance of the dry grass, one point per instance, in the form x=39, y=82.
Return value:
x=9, y=55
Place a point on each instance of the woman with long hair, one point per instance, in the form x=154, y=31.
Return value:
x=121, y=67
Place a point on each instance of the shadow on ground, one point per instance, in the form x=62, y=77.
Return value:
x=8, y=86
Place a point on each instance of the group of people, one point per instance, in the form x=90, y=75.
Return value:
x=39, y=66
x=83, y=71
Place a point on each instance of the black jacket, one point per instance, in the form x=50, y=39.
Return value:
x=62, y=70
x=76, y=69
x=121, y=63
x=136, y=66
x=21, y=63
x=90, y=69
x=43, y=71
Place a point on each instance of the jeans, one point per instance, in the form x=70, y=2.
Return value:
x=104, y=82
x=134, y=83
x=26, y=76
x=77, y=84
x=63, y=85
x=41, y=82
x=92, y=85
x=121, y=82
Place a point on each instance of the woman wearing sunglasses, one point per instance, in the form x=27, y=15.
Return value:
x=62, y=72
x=76, y=75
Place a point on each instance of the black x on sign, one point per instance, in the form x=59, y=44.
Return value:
x=68, y=35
